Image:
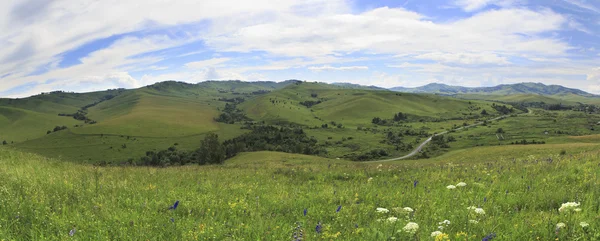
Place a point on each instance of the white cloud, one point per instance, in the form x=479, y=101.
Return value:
x=206, y=63
x=465, y=58
x=474, y=5
x=331, y=68
x=397, y=31
x=594, y=75
x=584, y=5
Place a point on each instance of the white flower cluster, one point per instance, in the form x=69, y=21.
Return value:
x=560, y=225
x=392, y=219
x=436, y=233
x=411, y=228
x=461, y=184
x=443, y=224
x=477, y=210
x=569, y=206
x=451, y=187
x=584, y=224
x=383, y=210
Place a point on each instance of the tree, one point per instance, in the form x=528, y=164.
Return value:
x=211, y=151
x=399, y=116
x=4, y=143
x=500, y=130
x=484, y=112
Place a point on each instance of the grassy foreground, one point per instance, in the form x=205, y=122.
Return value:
x=270, y=196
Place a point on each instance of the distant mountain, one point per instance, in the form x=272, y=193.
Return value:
x=357, y=86
x=506, y=89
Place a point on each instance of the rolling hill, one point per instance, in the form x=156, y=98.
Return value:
x=506, y=89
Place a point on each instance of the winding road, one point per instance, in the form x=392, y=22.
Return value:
x=420, y=147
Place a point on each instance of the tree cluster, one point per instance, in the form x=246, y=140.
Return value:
x=503, y=109
x=231, y=114
x=56, y=129
x=261, y=138
x=310, y=103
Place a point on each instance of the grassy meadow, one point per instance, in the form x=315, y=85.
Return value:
x=476, y=186
x=271, y=196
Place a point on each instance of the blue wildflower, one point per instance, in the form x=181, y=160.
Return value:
x=484, y=199
x=305, y=211
x=338, y=209
x=319, y=227
x=415, y=183
x=175, y=205
x=489, y=237
x=72, y=232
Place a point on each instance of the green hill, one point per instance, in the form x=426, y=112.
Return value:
x=352, y=107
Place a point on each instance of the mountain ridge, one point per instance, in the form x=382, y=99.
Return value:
x=503, y=89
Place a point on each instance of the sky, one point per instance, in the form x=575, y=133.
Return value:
x=88, y=45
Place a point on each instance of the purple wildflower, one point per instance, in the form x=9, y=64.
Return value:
x=72, y=232
x=318, y=228
x=305, y=211
x=415, y=183
x=489, y=237
x=175, y=205
x=338, y=209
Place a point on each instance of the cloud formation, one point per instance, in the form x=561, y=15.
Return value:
x=90, y=45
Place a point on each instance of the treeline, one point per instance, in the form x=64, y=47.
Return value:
x=526, y=142
x=211, y=151
x=56, y=129
x=398, y=117
x=81, y=114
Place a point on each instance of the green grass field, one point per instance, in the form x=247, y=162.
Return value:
x=267, y=194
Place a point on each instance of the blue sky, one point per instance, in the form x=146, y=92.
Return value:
x=92, y=45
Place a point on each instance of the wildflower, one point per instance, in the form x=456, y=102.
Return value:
x=568, y=206
x=577, y=210
x=473, y=221
x=408, y=209
x=435, y=234
x=489, y=237
x=305, y=211
x=445, y=222
x=175, y=205
x=451, y=187
x=584, y=224
x=318, y=228
x=461, y=184
x=415, y=183
x=338, y=209
x=441, y=227
x=477, y=210
x=383, y=210
x=72, y=232
x=560, y=225
x=392, y=219
x=370, y=179
x=172, y=220
x=411, y=228
x=480, y=211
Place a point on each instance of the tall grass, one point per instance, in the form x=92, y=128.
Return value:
x=263, y=196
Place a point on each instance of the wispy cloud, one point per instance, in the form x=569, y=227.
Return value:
x=331, y=68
